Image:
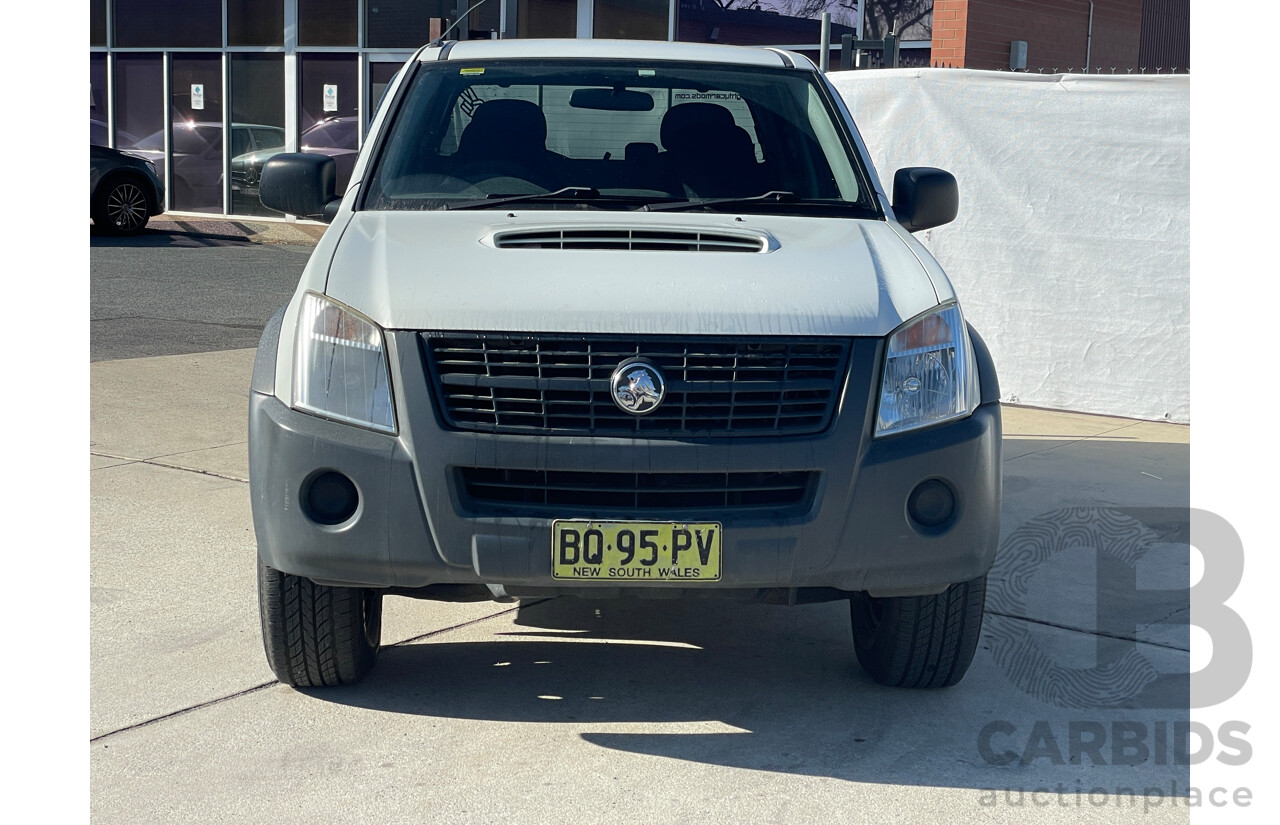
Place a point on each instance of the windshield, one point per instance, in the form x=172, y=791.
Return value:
x=616, y=134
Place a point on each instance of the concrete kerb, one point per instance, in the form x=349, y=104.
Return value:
x=238, y=228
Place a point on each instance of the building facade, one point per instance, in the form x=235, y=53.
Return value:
x=208, y=88
x=1102, y=35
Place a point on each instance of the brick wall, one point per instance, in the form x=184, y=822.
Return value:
x=976, y=34
x=950, y=21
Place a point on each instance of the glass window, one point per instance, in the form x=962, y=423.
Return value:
x=255, y=22
x=195, y=107
x=328, y=22
x=482, y=23
x=257, y=132
x=329, y=103
x=97, y=22
x=631, y=19
x=166, y=24
x=98, y=100
x=763, y=22
x=380, y=76
x=636, y=133
x=401, y=24
x=546, y=18
x=139, y=90
x=267, y=138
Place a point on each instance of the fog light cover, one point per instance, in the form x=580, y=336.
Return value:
x=330, y=498
x=929, y=374
x=340, y=366
x=931, y=503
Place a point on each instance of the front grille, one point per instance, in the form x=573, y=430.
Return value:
x=556, y=384
x=789, y=491
x=653, y=240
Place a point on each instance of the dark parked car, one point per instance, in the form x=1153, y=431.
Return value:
x=124, y=191
x=197, y=156
x=334, y=136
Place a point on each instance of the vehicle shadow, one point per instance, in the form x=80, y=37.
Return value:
x=776, y=688
x=176, y=233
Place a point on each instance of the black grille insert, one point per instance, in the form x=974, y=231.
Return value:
x=790, y=491
x=544, y=384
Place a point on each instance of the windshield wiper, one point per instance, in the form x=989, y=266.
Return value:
x=568, y=194
x=775, y=196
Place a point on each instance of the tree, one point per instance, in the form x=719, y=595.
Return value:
x=909, y=19
x=844, y=12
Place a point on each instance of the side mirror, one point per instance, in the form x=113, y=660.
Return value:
x=924, y=197
x=300, y=184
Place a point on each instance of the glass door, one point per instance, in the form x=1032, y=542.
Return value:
x=329, y=109
x=195, y=109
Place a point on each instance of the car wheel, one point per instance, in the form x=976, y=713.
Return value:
x=919, y=641
x=315, y=635
x=121, y=208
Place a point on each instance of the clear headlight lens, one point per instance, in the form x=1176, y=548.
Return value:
x=340, y=366
x=929, y=373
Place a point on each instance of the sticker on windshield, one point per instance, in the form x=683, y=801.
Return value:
x=685, y=96
x=477, y=70
x=647, y=72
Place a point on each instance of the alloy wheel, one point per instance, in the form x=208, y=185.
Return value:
x=127, y=207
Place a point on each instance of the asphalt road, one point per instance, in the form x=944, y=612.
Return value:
x=175, y=293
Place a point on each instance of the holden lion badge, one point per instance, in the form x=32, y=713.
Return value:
x=637, y=387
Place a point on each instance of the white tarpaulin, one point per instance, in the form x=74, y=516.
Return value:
x=1071, y=253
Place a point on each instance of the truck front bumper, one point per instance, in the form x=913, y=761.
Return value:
x=414, y=525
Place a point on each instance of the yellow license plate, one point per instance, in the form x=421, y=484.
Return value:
x=636, y=551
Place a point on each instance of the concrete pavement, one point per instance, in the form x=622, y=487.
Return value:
x=582, y=712
x=208, y=230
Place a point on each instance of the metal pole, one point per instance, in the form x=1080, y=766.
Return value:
x=846, y=52
x=824, y=56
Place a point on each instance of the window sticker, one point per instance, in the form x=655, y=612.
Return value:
x=330, y=97
x=684, y=97
x=197, y=95
x=479, y=70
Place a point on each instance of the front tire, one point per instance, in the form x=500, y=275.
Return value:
x=121, y=208
x=919, y=641
x=315, y=635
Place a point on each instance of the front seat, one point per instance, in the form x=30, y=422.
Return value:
x=707, y=153
x=507, y=138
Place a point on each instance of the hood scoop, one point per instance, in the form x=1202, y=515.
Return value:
x=652, y=239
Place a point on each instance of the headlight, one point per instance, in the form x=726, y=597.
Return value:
x=929, y=373
x=340, y=366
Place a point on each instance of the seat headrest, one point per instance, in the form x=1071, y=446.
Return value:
x=691, y=122
x=505, y=125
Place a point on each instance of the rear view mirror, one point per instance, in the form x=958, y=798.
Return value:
x=611, y=100
x=300, y=184
x=924, y=197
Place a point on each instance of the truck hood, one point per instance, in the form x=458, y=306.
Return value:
x=459, y=271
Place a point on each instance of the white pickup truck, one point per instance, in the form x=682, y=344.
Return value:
x=612, y=319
